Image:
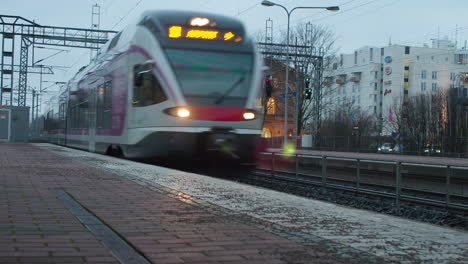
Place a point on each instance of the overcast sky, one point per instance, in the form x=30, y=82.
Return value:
x=358, y=23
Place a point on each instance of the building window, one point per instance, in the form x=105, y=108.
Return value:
x=266, y=133
x=375, y=98
x=382, y=52
x=271, y=106
x=335, y=66
x=423, y=87
x=452, y=85
x=341, y=60
x=407, y=50
x=434, y=75
x=375, y=86
x=355, y=57
x=423, y=74
x=371, y=54
x=452, y=76
x=417, y=57
x=434, y=87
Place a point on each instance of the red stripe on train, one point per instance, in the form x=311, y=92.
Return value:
x=216, y=113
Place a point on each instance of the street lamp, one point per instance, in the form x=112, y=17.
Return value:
x=269, y=3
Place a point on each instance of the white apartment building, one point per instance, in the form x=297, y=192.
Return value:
x=377, y=79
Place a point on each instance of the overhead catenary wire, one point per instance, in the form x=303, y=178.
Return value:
x=247, y=9
x=128, y=13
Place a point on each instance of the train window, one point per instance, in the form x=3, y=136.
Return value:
x=108, y=104
x=100, y=107
x=147, y=23
x=104, y=105
x=212, y=77
x=114, y=41
x=147, y=90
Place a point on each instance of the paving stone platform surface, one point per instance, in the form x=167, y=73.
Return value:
x=169, y=216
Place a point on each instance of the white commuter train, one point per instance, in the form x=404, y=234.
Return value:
x=173, y=84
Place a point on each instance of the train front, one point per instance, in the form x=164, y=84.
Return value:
x=218, y=73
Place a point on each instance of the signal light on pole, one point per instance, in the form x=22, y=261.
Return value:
x=308, y=93
x=307, y=81
x=268, y=87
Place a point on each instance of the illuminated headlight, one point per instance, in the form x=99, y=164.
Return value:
x=438, y=150
x=379, y=149
x=390, y=150
x=426, y=150
x=249, y=115
x=183, y=112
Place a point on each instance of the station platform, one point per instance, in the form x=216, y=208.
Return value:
x=61, y=205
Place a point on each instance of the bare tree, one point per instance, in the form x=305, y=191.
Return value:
x=322, y=42
x=421, y=120
x=347, y=126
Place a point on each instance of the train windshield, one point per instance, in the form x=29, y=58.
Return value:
x=212, y=77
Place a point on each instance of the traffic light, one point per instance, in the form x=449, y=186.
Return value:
x=268, y=86
x=307, y=81
x=308, y=93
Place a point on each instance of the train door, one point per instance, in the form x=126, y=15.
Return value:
x=92, y=119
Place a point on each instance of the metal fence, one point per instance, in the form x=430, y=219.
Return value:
x=371, y=145
x=441, y=185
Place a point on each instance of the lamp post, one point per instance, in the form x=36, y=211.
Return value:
x=288, y=12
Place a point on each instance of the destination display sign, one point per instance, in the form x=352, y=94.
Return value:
x=214, y=34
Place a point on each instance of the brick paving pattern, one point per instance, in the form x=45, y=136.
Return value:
x=35, y=226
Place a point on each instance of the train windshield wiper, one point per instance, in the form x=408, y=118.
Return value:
x=228, y=91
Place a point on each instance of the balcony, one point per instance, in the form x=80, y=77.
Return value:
x=356, y=77
x=340, y=79
x=328, y=81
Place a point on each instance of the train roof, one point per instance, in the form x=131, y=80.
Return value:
x=162, y=18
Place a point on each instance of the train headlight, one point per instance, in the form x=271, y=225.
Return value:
x=249, y=115
x=183, y=112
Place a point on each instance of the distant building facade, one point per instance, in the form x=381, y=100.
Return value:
x=377, y=80
x=274, y=106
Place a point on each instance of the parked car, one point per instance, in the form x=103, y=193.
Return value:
x=432, y=149
x=385, y=148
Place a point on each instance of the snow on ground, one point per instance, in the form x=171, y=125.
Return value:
x=378, y=234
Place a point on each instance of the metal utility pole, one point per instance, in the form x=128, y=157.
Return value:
x=269, y=39
x=32, y=33
x=32, y=108
x=286, y=85
x=95, y=24
x=296, y=98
